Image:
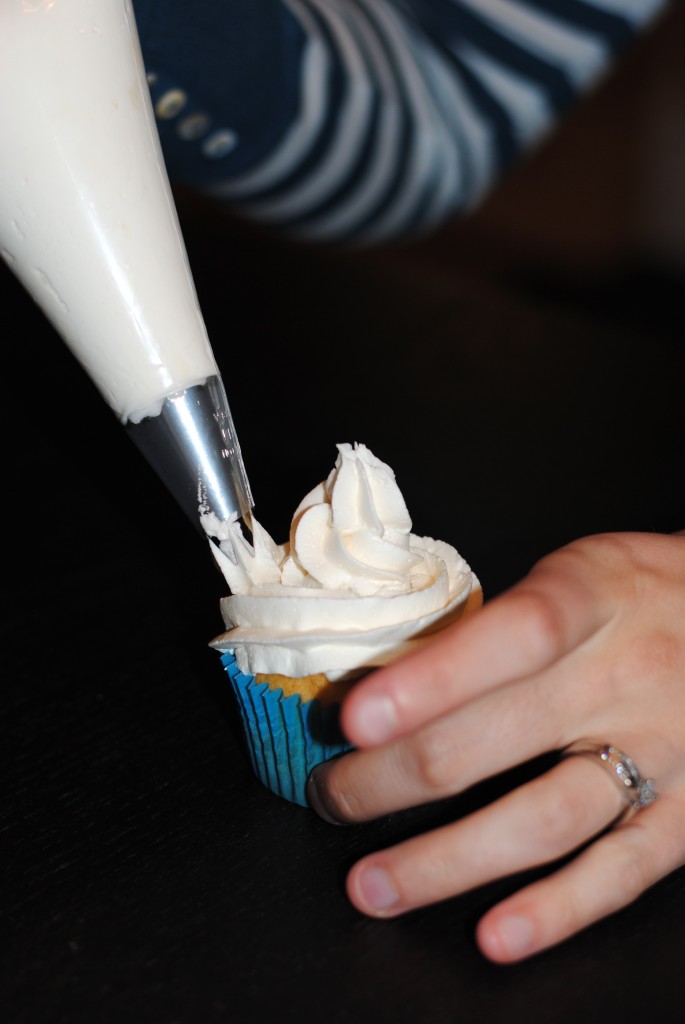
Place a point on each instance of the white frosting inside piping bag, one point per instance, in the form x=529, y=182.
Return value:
x=352, y=588
x=87, y=217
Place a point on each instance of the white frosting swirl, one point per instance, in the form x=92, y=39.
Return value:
x=352, y=588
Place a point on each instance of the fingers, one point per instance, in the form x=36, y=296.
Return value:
x=518, y=634
x=535, y=824
x=606, y=877
x=539, y=823
x=448, y=755
x=589, y=646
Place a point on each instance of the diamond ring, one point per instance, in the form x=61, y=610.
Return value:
x=638, y=791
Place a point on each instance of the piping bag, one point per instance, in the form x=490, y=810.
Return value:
x=89, y=226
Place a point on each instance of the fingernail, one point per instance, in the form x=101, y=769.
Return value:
x=317, y=797
x=377, y=889
x=378, y=719
x=515, y=936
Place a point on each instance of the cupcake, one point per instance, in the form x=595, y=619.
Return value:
x=351, y=590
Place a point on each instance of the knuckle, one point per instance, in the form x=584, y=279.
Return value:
x=542, y=620
x=560, y=820
x=612, y=549
x=617, y=555
x=436, y=759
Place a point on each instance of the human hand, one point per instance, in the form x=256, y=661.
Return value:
x=590, y=646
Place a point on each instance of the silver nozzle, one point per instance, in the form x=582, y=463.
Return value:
x=193, y=447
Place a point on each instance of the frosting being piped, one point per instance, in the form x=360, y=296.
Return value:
x=352, y=588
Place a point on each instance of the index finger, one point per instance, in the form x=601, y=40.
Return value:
x=521, y=632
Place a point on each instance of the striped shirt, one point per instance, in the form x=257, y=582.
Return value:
x=367, y=120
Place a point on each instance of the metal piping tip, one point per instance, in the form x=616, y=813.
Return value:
x=193, y=447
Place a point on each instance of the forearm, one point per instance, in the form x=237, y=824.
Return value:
x=370, y=119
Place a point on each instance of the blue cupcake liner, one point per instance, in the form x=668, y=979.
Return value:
x=285, y=737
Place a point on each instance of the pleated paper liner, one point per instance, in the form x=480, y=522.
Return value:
x=285, y=736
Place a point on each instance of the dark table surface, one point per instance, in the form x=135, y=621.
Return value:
x=146, y=875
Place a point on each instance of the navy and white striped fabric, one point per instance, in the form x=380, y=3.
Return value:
x=367, y=120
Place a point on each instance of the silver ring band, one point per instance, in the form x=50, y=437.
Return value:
x=638, y=791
